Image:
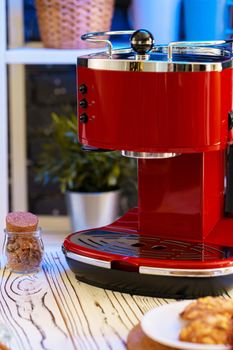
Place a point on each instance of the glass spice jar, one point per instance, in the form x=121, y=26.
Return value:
x=23, y=251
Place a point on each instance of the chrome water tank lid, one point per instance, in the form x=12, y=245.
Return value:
x=144, y=55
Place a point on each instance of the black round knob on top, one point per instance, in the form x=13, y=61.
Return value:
x=142, y=41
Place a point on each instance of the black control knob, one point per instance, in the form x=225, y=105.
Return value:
x=83, y=118
x=142, y=41
x=83, y=89
x=83, y=103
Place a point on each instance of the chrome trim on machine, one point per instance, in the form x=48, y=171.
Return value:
x=114, y=59
x=196, y=273
x=148, y=155
x=156, y=271
x=95, y=37
x=191, y=44
x=151, y=66
x=86, y=260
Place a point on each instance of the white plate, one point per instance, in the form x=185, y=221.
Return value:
x=163, y=325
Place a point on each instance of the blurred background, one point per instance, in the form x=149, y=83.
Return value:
x=52, y=88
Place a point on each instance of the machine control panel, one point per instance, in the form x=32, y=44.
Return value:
x=83, y=104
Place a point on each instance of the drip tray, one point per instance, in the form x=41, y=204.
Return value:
x=144, y=265
x=146, y=247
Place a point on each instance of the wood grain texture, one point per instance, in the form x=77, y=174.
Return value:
x=51, y=310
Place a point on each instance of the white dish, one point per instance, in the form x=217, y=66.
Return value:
x=163, y=325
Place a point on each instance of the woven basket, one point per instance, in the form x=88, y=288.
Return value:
x=62, y=22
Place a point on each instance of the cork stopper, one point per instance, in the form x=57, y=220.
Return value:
x=21, y=222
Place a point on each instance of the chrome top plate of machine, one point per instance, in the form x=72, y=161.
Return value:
x=176, y=56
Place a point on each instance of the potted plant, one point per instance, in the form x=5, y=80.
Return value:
x=91, y=181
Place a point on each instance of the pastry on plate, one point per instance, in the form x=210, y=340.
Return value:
x=207, y=305
x=209, y=320
x=211, y=329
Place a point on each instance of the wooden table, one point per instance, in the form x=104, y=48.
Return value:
x=52, y=310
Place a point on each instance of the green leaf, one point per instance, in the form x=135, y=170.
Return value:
x=62, y=161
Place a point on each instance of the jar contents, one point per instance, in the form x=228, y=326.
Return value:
x=23, y=243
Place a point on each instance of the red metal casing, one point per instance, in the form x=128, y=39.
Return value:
x=181, y=197
x=180, y=112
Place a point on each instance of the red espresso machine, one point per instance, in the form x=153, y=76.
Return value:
x=169, y=106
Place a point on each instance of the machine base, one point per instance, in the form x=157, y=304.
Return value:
x=120, y=258
x=150, y=285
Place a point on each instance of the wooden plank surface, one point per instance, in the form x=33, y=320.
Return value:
x=52, y=310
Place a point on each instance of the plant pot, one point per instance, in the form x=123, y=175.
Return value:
x=62, y=22
x=160, y=17
x=90, y=210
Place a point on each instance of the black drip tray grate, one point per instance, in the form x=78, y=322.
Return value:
x=135, y=245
